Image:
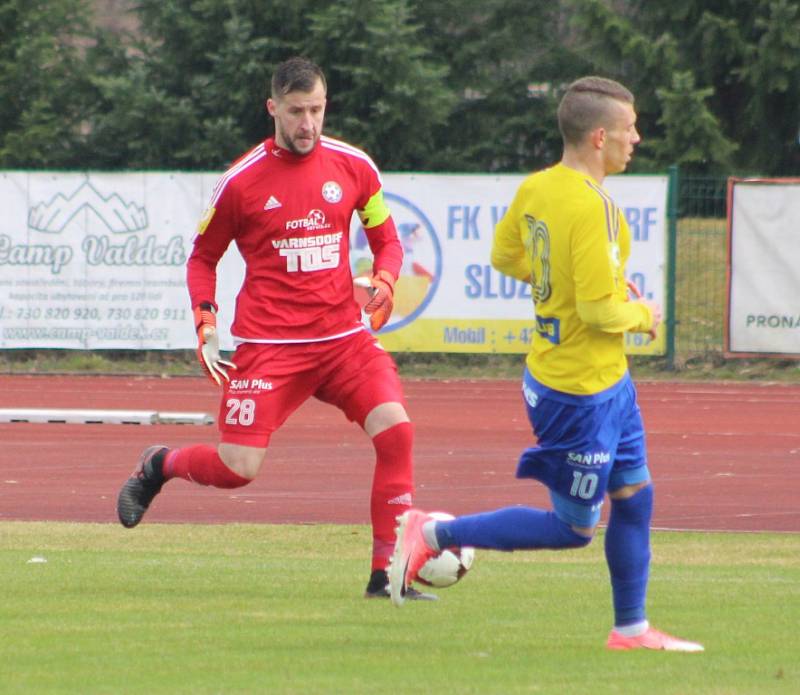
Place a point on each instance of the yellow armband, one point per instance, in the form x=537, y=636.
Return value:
x=375, y=212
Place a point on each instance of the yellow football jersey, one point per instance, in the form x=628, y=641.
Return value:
x=564, y=233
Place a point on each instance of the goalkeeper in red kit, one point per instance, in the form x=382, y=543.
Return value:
x=287, y=205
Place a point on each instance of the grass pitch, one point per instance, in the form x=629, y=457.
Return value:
x=279, y=609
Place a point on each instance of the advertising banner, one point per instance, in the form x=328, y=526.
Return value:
x=764, y=282
x=97, y=261
x=449, y=297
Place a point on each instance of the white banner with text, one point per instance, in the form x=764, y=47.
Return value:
x=764, y=282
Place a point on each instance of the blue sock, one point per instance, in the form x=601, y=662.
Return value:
x=628, y=554
x=512, y=528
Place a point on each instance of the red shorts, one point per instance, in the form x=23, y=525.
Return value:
x=353, y=373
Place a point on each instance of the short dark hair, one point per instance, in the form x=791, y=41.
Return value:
x=585, y=106
x=296, y=74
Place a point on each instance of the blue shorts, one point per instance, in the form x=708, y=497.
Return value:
x=587, y=445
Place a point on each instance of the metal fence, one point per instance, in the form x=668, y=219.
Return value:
x=700, y=266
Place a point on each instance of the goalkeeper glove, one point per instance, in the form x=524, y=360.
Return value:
x=379, y=308
x=205, y=322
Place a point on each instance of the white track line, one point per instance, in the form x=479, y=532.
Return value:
x=75, y=416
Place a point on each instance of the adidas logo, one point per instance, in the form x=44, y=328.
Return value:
x=272, y=203
x=405, y=498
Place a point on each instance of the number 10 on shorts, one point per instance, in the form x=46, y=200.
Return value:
x=584, y=485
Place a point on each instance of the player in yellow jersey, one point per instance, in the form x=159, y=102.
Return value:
x=565, y=235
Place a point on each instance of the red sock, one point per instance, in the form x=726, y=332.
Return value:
x=392, y=488
x=201, y=464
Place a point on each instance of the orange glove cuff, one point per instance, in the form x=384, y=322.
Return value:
x=381, y=305
x=204, y=316
x=386, y=276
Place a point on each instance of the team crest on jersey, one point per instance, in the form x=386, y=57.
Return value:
x=331, y=191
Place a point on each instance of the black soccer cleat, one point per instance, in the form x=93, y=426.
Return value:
x=144, y=484
x=378, y=587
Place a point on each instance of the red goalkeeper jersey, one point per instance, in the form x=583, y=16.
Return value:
x=289, y=216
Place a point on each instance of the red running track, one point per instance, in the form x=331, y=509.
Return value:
x=724, y=456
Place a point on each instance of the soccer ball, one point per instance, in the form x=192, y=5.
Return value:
x=448, y=566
